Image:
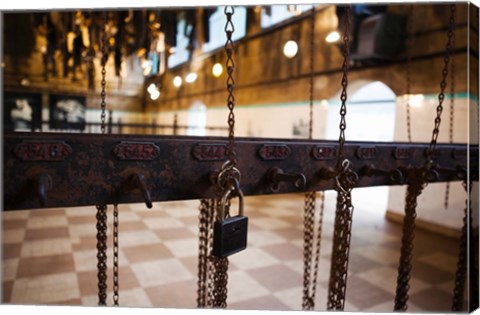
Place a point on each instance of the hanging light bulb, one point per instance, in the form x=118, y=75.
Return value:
x=332, y=37
x=191, y=77
x=290, y=49
x=217, y=70
x=177, y=81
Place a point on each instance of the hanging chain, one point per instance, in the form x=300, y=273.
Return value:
x=116, y=286
x=103, y=71
x=414, y=189
x=312, y=64
x=345, y=181
x=417, y=181
x=341, y=239
x=461, y=273
x=452, y=115
x=309, y=276
x=230, y=65
x=309, y=279
x=408, y=70
x=343, y=96
x=210, y=266
x=217, y=268
x=102, y=209
x=308, y=228
x=317, y=250
x=212, y=270
x=443, y=83
x=204, y=230
x=102, y=253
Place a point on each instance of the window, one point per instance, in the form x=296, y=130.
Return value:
x=217, y=27
x=181, y=52
x=278, y=13
x=197, y=119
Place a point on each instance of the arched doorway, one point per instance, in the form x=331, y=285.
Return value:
x=370, y=117
x=370, y=114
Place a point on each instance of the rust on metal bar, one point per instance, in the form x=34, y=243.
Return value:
x=89, y=169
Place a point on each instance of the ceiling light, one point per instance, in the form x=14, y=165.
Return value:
x=151, y=88
x=25, y=82
x=191, y=77
x=155, y=95
x=332, y=37
x=290, y=49
x=177, y=81
x=217, y=70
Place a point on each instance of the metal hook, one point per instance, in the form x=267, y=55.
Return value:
x=43, y=184
x=459, y=172
x=395, y=176
x=137, y=181
x=276, y=175
x=349, y=177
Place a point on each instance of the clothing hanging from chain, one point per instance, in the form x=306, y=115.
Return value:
x=417, y=179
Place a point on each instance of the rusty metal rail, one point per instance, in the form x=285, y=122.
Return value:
x=44, y=170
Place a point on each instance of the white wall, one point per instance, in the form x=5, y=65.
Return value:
x=278, y=120
x=431, y=202
x=266, y=121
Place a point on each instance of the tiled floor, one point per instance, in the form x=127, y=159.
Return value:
x=49, y=257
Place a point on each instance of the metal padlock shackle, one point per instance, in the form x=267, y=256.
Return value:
x=233, y=184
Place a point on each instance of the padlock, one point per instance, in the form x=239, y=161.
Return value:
x=230, y=234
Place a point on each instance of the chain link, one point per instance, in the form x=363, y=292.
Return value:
x=414, y=189
x=103, y=72
x=343, y=96
x=408, y=69
x=204, y=229
x=317, y=250
x=308, y=228
x=312, y=65
x=461, y=273
x=344, y=184
x=212, y=271
x=230, y=65
x=309, y=208
x=443, y=83
x=209, y=258
x=116, y=286
x=102, y=253
x=341, y=247
x=416, y=183
x=451, y=116
x=309, y=276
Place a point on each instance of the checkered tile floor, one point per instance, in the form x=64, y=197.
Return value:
x=49, y=257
